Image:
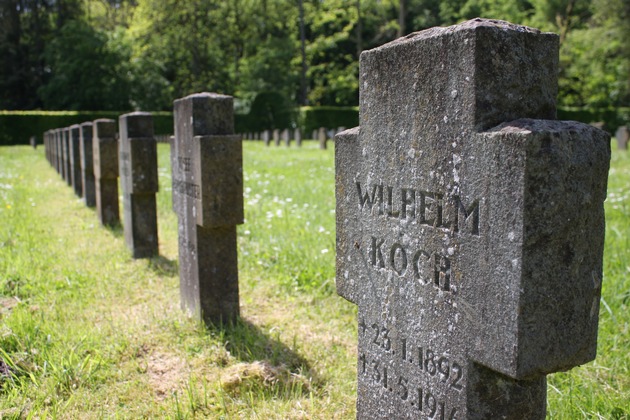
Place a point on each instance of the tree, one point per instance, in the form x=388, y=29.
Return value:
x=24, y=31
x=85, y=73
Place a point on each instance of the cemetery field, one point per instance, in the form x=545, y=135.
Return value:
x=88, y=332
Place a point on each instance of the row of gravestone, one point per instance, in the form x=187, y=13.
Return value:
x=277, y=136
x=470, y=222
x=287, y=135
x=91, y=156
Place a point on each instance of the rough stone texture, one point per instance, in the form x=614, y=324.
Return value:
x=58, y=152
x=75, y=159
x=298, y=137
x=139, y=182
x=286, y=137
x=322, y=136
x=470, y=225
x=87, y=164
x=208, y=199
x=276, y=137
x=65, y=137
x=105, y=159
x=622, y=135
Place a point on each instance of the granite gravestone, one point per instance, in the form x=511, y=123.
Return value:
x=58, y=152
x=105, y=159
x=298, y=137
x=470, y=225
x=75, y=159
x=286, y=137
x=276, y=137
x=206, y=158
x=322, y=136
x=622, y=134
x=139, y=182
x=65, y=136
x=87, y=164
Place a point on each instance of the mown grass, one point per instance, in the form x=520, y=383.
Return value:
x=88, y=332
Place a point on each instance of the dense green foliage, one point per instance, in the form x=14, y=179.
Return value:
x=16, y=127
x=142, y=54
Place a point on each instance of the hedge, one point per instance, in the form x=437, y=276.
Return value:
x=17, y=127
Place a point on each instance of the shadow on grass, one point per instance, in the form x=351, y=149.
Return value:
x=116, y=229
x=266, y=361
x=163, y=266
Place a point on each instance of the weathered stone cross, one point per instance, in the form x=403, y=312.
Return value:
x=207, y=163
x=470, y=225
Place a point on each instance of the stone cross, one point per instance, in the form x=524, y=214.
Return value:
x=65, y=136
x=75, y=159
x=87, y=164
x=622, y=136
x=105, y=158
x=470, y=225
x=276, y=137
x=298, y=137
x=139, y=182
x=58, y=151
x=286, y=137
x=322, y=136
x=207, y=161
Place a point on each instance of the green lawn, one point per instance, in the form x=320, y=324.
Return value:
x=88, y=332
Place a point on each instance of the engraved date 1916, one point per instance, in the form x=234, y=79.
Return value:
x=416, y=396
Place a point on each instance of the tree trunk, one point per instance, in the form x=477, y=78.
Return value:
x=303, y=86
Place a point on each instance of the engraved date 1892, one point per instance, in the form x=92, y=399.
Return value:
x=424, y=358
x=418, y=397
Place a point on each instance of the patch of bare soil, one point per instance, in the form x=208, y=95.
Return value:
x=167, y=373
x=263, y=374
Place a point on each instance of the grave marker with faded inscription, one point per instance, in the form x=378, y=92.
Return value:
x=75, y=159
x=139, y=182
x=470, y=225
x=58, y=152
x=87, y=164
x=105, y=158
x=622, y=134
x=65, y=136
x=207, y=162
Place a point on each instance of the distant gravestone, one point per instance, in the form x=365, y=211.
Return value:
x=322, y=136
x=622, y=136
x=59, y=152
x=33, y=142
x=65, y=135
x=298, y=137
x=286, y=137
x=75, y=159
x=139, y=182
x=470, y=225
x=105, y=157
x=207, y=161
x=266, y=136
x=86, y=149
x=276, y=137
